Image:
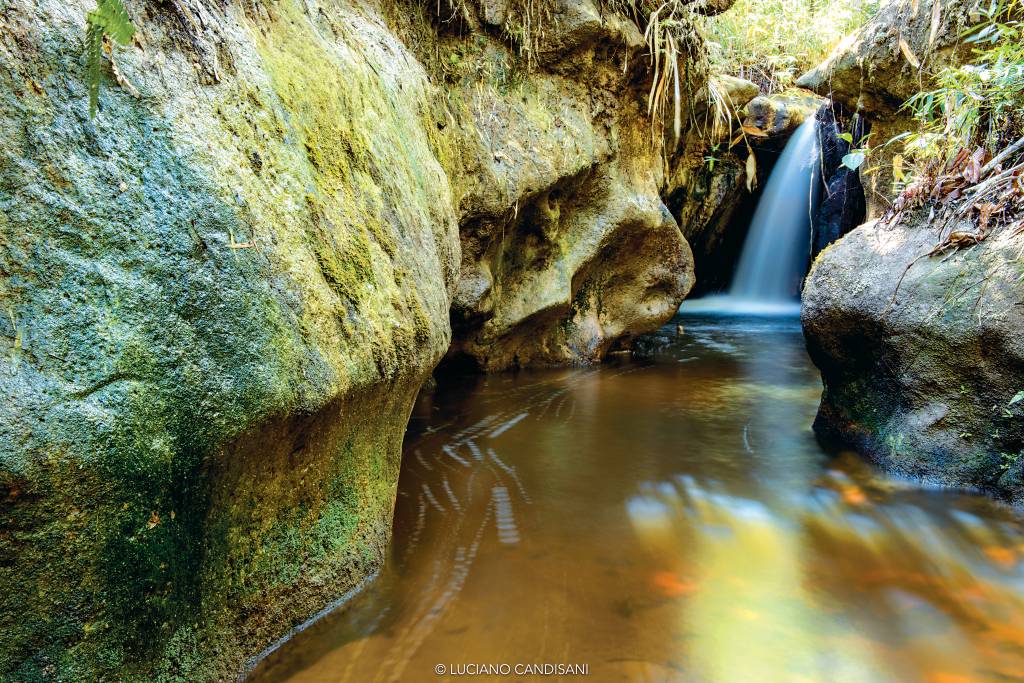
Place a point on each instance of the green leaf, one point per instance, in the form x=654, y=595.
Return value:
x=1019, y=396
x=846, y=136
x=93, y=60
x=853, y=160
x=109, y=18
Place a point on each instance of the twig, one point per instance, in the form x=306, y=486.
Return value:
x=999, y=158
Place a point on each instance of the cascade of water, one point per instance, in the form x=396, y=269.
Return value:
x=775, y=254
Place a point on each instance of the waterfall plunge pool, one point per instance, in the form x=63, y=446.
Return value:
x=670, y=518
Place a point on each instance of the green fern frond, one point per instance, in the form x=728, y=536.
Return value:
x=109, y=18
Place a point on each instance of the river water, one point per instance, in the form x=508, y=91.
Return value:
x=670, y=518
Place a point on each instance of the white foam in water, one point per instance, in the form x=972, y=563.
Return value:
x=726, y=304
x=775, y=254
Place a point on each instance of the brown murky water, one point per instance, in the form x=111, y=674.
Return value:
x=670, y=520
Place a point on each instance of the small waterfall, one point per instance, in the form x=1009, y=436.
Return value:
x=775, y=254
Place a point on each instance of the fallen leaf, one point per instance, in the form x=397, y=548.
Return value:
x=754, y=131
x=936, y=18
x=154, y=519
x=673, y=585
x=854, y=495
x=985, y=211
x=751, y=170
x=948, y=677
x=1004, y=557
x=909, y=54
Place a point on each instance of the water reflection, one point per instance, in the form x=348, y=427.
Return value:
x=671, y=519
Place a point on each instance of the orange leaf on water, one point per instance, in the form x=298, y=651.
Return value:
x=1004, y=557
x=854, y=495
x=673, y=585
x=948, y=677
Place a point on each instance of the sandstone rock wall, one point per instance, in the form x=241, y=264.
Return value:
x=567, y=247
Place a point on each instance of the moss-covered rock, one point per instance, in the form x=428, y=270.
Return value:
x=202, y=291
x=875, y=70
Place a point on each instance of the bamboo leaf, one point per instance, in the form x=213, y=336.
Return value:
x=897, y=168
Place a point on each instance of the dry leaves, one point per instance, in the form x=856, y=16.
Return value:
x=936, y=19
x=751, y=170
x=909, y=54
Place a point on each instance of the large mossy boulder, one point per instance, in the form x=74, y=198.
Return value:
x=921, y=356
x=220, y=298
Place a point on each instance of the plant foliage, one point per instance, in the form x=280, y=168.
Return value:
x=978, y=104
x=967, y=154
x=771, y=42
x=111, y=20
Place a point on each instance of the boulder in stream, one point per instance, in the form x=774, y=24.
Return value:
x=921, y=356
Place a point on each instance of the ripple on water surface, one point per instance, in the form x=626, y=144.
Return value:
x=671, y=519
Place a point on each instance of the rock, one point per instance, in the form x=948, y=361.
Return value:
x=921, y=380
x=204, y=288
x=871, y=73
x=709, y=202
x=222, y=295
x=494, y=12
x=842, y=206
x=735, y=92
x=782, y=113
x=567, y=247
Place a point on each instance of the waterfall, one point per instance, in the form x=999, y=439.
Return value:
x=775, y=254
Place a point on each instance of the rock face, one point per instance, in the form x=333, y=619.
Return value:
x=567, y=248
x=222, y=295
x=842, y=206
x=877, y=69
x=203, y=290
x=778, y=116
x=921, y=379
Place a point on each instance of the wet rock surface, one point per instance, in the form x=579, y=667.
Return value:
x=842, y=206
x=921, y=379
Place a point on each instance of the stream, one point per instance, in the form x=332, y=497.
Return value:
x=670, y=518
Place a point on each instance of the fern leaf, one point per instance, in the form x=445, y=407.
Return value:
x=110, y=19
x=93, y=55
